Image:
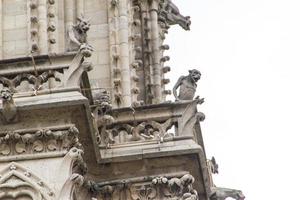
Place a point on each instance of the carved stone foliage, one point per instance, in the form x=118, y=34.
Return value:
x=143, y=192
x=172, y=188
x=45, y=140
x=143, y=131
x=17, y=182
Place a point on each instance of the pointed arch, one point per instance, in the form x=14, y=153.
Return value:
x=17, y=181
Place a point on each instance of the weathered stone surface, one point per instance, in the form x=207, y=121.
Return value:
x=67, y=132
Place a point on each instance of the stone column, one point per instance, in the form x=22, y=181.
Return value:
x=42, y=31
x=79, y=7
x=156, y=69
x=1, y=30
x=124, y=53
x=69, y=13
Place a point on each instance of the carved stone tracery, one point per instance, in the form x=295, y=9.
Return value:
x=38, y=141
x=17, y=182
x=172, y=188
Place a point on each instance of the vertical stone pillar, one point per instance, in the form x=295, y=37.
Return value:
x=53, y=26
x=79, y=7
x=156, y=69
x=124, y=53
x=1, y=30
x=42, y=31
x=69, y=13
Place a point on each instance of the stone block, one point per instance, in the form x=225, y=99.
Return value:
x=11, y=7
x=9, y=22
x=22, y=47
x=103, y=58
x=15, y=34
x=21, y=21
x=98, y=17
x=9, y=48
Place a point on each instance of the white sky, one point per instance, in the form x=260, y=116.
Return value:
x=249, y=56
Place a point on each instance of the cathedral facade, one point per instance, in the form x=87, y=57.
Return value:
x=83, y=110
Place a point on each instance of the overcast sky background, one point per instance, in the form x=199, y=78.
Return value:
x=249, y=55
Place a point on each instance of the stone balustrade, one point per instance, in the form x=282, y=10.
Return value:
x=133, y=133
x=44, y=74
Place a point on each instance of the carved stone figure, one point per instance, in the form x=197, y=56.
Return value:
x=214, y=166
x=178, y=188
x=171, y=15
x=103, y=119
x=188, y=86
x=9, y=110
x=224, y=193
x=77, y=34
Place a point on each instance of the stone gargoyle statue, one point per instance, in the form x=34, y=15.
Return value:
x=9, y=109
x=187, y=86
x=224, y=193
x=77, y=34
x=102, y=118
x=170, y=13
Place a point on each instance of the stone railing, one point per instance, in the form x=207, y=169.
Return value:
x=44, y=74
x=134, y=131
x=37, y=143
x=177, y=186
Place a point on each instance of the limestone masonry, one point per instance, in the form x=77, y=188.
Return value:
x=83, y=110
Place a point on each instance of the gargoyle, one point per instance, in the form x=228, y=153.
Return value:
x=102, y=119
x=224, y=193
x=170, y=13
x=77, y=34
x=214, y=166
x=188, y=86
x=9, y=109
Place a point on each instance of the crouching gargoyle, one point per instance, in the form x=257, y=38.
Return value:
x=224, y=193
x=9, y=109
x=77, y=34
x=170, y=13
x=187, y=86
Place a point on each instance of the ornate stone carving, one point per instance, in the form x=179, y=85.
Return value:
x=177, y=188
x=170, y=14
x=77, y=34
x=72, y=76
x=9, y=109
x=143, y=192
x=214, y=167
x=17, y=182
x=102, y=119
x=224, y=193
x=36, y=81
x=146, y=188
x=188, y=86
x=144, y=131
x=68, y=190
x=38, y=141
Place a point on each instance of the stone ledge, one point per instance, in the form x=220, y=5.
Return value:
x=149, y=150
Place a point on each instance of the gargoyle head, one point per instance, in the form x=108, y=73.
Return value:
x=195, y=75
x=240, y=195
x=186, y=23
x=6, y=94
x=83, y=24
